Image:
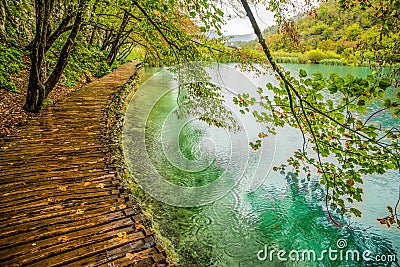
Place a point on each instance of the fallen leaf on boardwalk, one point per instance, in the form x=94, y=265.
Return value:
x=140, y=226
x=79, y=211
x=100, y=185
x=50, y=199
x=62, y=187
x=138, y=258
x=6, y=194
x=33, y=244
x=122, y=206
x=113, y=208
x=122, y=235
x=86, y=183
x=130, y=256
x=62, y=158
x=63, y=238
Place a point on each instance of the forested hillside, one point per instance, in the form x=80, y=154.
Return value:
x=333, y=35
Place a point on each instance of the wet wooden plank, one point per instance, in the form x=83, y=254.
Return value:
x=60, y=199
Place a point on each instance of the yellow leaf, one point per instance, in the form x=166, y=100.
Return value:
x=140, y=226
x=63, y=238
x=113, y=208
x=122, y=206
x=130, y=256
x=86, y=184
x=122, y=234
x=62, y=187
x=79, y=211
x=100, y=185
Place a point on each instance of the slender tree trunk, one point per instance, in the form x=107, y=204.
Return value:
x=115, y=45
x=36, y=87
x=7, y=14
x=127, y=51
x=2, y=17
x=107, y=38
x=66, y=50
x=94, y=29
x=258, y=33
x=39, y=88
x=63, y=27
x=92, y=36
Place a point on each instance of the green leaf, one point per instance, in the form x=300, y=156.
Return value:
x=302, y=73
x=219, y=12
x=387, y=103
x=356, y=212
x=384, y=83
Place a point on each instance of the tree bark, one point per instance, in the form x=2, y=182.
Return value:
x=115, y=45
x=258, y=33
x=2, y=17
x=36, y=87
x=94, y=29
x=7, y=14
x=66, y=50
x=63, y=27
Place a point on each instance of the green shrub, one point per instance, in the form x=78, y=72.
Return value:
x=293, y=60
x=315, y=56
x=318, y=55
x=101, y=70
x=332, y=62
x=11, y=62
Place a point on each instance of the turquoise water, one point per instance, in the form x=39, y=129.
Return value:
x=220, y=204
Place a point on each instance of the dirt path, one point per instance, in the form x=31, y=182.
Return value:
x=61, y=203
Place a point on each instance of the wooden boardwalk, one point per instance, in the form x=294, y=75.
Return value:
x=61, y=203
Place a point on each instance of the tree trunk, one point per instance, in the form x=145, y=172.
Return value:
x=7, y=14
x=63, y=27
x=39, y=88
x=116, y=43
x=66, y=50
x=94, y=29
x=2, y=17
x=106, y=40
x=258, y=33
x=36, y=87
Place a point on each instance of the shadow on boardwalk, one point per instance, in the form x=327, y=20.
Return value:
x=60, y=201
